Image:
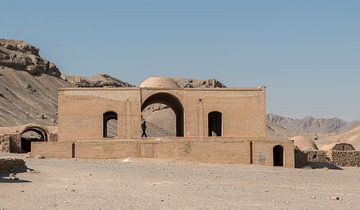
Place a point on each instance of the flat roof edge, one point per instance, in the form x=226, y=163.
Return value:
x=186, y=89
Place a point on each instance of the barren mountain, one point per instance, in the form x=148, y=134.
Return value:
x=312, y=125
x=21, y=56
x=29, y=85
x=351, y=137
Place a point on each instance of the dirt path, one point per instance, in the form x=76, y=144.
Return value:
x=166, y=184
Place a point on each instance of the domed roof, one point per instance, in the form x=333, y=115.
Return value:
x=159, y=82
x=337, y=146
x=305, y=143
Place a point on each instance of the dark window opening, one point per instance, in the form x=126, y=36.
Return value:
x=278, y=155
x=215, y=124
x=73, y=150
x=110, y=125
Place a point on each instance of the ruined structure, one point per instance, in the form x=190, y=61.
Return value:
x=219, y=125
x=18, y=139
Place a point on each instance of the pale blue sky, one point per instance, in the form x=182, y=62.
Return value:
x=307, y=52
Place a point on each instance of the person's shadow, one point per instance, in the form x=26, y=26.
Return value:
x=8, y=174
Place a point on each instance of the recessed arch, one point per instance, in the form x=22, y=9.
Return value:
x=172, y=102
x=110, y=121
x=32, y=134
x=278, y=155
x=215, y=123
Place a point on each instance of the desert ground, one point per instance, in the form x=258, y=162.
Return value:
x=171, y=184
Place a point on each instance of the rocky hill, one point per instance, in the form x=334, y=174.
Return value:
x=29, y=85
x=18, y=55
x=101, y=80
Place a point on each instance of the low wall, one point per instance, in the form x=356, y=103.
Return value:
x=336, y=157
x=210, y=150
x=52, y=149
x=345, y=158
x=204, y=151
x=106, y=149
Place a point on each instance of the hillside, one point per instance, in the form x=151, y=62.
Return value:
x=29, y=85
x=351, y=137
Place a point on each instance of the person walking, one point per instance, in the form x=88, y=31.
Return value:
x=143, y=127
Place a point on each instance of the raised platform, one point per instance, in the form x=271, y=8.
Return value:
x=211, y=150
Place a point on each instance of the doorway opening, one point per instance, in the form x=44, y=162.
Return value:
x=278, y=155
x=29, y=135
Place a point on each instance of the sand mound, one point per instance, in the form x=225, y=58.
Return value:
x=351, y=137
x=305, y=143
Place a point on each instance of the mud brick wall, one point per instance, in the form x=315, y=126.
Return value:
x=336, y=157
x=4, y=143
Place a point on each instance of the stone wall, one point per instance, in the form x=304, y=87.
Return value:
x=336, y=157
x=345, y=158
x=11, y=164
x=10, y=142
x=4, y=143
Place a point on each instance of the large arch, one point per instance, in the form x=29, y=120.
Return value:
x=278, y=155
x=32, y=133
x=171, y=101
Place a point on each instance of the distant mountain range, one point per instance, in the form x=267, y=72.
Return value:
x=311, y=125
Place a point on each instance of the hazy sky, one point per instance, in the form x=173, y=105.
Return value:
x=307, y=52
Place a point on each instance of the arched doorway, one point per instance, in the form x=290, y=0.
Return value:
x=110, y=120
x=31, y=134
x=278, y=155
x=215, y=124
x=169, y=119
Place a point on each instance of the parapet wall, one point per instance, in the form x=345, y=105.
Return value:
x=227, y=151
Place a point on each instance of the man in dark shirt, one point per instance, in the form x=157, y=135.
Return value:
x=143, y=127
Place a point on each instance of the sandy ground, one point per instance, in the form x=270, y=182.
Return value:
x=167, y=184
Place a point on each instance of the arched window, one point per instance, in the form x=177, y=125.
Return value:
x=110, y=125
x=215, y=124
x=278, y=155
